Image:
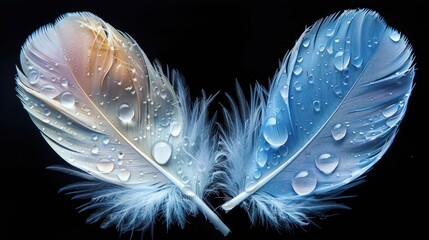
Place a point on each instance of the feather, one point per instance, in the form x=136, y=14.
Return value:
x=332, y=111
x=111, y=114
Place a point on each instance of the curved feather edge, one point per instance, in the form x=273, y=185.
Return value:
x=239, y=148
x=138, y=208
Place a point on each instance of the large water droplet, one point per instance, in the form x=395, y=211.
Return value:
x=297, y=70
x=49, y=91
x=305, y=42
x=67, y=100
x=395, y=36
x=341, y=60
x=392, y=122
x=33, y=76
x=316, y=106
x=326, y=163
x=105, y=166
x=390, y=110
x=161, y=152
x=338, y=131
x=124, y=174
x=125, y=112
x=284, y=91
x=304, y=182
x=261, y=158
x=275, y=132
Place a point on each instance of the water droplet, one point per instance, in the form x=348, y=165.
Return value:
x=187, y=190
x=64, y=82
x=316, y=106
x=284, y=92
x=297, y=70
x=337, y=40
x=283, y=150
x=310, y=79
x=163, y=94
x=176, y=128
x=357, y=62
x=95, y=150
x=341, y=60
x=179, y=170
x=67, y=100
x=49, y=91
x=330, y=32
x=47, y=112
x=201, y=167
x=185, y=179
x=299, y=59
x=124, y=174
x=106, y=140
x=297, y=85
x=161, y=151
x=392, y=122
x=125, y=112
x=121, y=155
x=338, y=131
x=321, y=47
x=261, y=158
x=33, y=76
x=304, y=182
x=257, y=174
x=395, y=36
x=305, y=42
x=94, y=137
x=275, y=131
x=326, y=163
x=390, y=110
x=337, y=89
x=105, y=166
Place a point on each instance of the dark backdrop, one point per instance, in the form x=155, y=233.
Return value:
x=212, y=43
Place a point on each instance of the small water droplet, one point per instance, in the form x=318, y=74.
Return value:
x=163, y=94
x=284, y=92
x=67, y=100
x=297, y=85
x=321, y=47
x=95, y=150
x=330, y=32
x=179, y=170
x=105, y=166
x=297, y=70
x=33, y=76
x=337, y=89
x=64, y=82
x=390, y=110
x=121, y=155
x=357, y=61
x=305, y=42
x=299, y=59
x=161, y=151
x=201, y=166
x=304, y=182
x=275, y=132
x=283, y=151
x=392, y=122
x=316, y=106
x=176, y=128
x=185, y=179
x=310, y=79
x=124, y=174
x=395, y=36
x=338, y=131
x=106, y=140
x=257, y=174
x=327, y=163
x=47, y=112
x=261, y=158
x=94, y=137
x=125, y=113
x=341, y=60
x=337, y=40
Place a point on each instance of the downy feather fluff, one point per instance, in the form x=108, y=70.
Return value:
x=330, y=114
x=144, y=149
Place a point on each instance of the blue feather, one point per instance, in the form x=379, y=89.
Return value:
x=331, y=113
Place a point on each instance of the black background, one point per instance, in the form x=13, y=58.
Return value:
x=212, y=43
